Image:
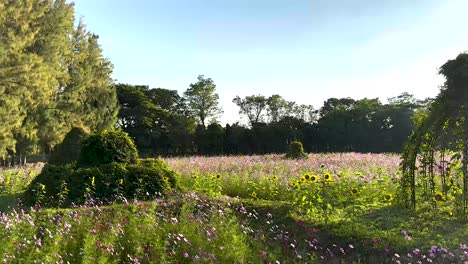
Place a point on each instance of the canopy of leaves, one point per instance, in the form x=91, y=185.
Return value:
x=441, y=130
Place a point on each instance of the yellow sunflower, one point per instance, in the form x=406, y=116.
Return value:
x=327, y=177
x=438, y=197
x=354, y=191
x=313, y=178
x=387, y=197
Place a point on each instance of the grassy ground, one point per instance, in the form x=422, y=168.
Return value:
x=331, y=208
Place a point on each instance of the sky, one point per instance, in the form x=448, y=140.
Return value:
x=304, y=50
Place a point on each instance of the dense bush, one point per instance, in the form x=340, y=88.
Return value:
x=107, y=147
x=68, y=152
x=296, y=151
x=64, y=185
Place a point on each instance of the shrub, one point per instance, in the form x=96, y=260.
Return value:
x=296, y=151
x=68, y=152
x=107, y=182
x=107, y=147
x=48, y=183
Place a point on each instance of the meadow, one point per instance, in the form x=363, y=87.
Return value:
x=329, y=208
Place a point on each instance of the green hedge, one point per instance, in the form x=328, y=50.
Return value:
x=64, y=185
x=68, y=152
x=107, y=147
x=296, y=151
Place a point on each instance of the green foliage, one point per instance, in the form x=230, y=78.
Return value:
x=68, y=152
x=155, y=119
x=53, y=77
x=436, y=154
x=64, y=185
x=183, y=229
x=296, y=151
x=46, y=187
x=252, y=106
x=107, y=147
x=202, y=99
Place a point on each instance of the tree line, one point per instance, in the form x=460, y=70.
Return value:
x=164, y=123
x=54, y=77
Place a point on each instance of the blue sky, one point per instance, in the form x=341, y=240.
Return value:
x=305, y=50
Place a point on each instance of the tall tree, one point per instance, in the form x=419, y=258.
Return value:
x=54, y=46
x=202, y=100
x=276, y=107
x=252, y=106
x=167, y=100
x=88, y=99
x=23, y=74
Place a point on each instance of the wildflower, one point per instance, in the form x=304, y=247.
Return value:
x=306, y=176
x=275, y=178
x=218, y=176
x=92, y=181
x=186, y=255
x=313, y=178
x=42, y=187
x=121, y=181
x=327, y=177
x=438, y=197
x=354, y=191
x=388, y=197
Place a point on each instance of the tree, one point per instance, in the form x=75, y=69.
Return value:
x=202, y=100
x=23, y=75
x=276, y=107
x=52, y=77
x=252, y=106
x=167, y=100
x=155, y=130
x=440, y=131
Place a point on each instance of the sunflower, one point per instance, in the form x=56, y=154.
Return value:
x=438, y=197
x=354, y=191
x=218, y=176
x=387, y=197
x=327, y=177
x=275, y=178
x=306, y=176
x=313, y=178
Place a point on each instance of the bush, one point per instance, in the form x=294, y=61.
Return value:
x=107, y=147
x=68, y=152
x=64, y=185
x=46, y=187
x=296, y=151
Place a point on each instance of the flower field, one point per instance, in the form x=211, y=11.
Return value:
x=330, y=208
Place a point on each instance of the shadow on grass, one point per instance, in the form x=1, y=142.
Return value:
x=9, y=201
x=371, y=237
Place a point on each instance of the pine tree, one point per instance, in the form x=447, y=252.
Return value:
x=22, y=72
x=52, y=77
x=53, y=45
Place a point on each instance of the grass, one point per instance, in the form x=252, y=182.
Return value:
x=245, y=209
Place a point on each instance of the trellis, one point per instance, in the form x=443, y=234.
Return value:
x=435, y=158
